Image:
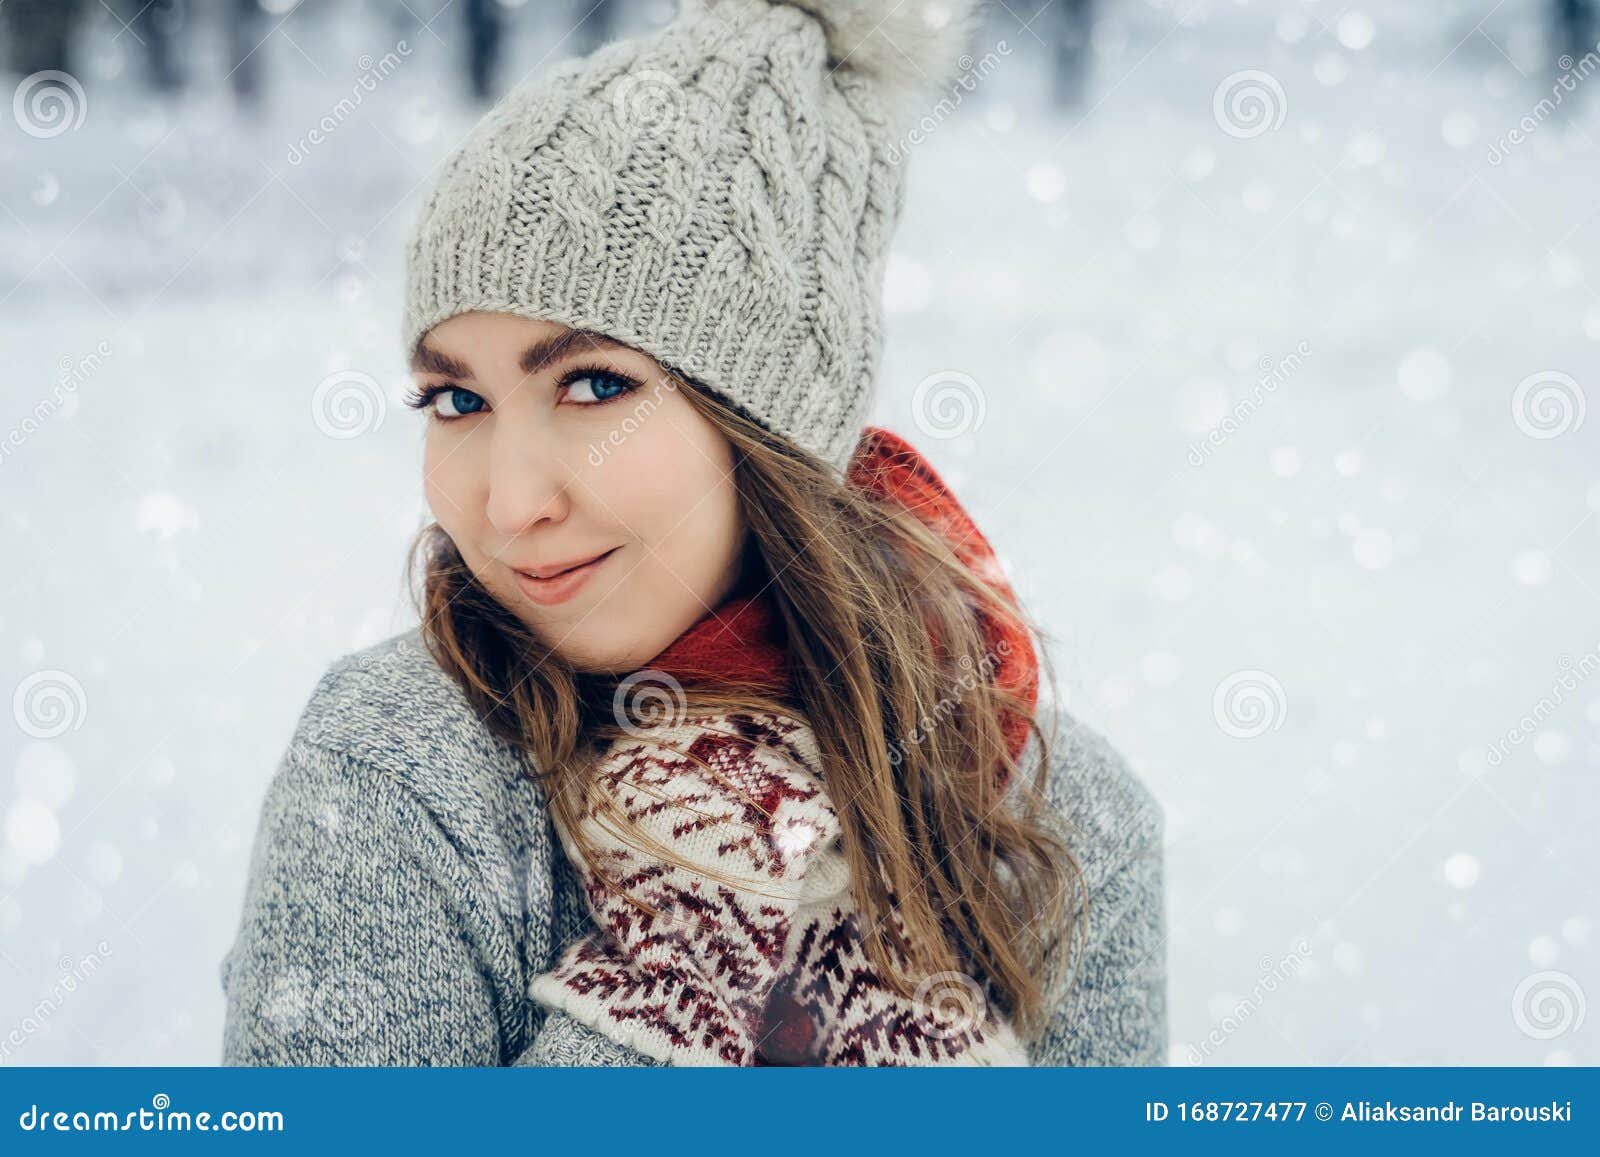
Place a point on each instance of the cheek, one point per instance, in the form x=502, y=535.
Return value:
x=670, y=478
x=448, y=481
x=693, y=522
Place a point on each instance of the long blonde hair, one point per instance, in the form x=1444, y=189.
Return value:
x=911, y=743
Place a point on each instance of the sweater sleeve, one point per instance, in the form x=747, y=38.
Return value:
x=361, y=936
x=1115, y=1010
x=567, y=1042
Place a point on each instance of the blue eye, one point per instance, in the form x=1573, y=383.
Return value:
x=459, y=402
x=594, y=386
x=446, y=402
x=602, y=386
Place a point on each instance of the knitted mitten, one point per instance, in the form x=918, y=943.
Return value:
x=769, y=968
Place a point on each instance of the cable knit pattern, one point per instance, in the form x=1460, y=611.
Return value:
x=769, y=968
x=718, y=195
x=405, y=886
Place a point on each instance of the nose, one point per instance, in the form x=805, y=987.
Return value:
x=529, y=481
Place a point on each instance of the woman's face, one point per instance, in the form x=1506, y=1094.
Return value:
x=547, y=446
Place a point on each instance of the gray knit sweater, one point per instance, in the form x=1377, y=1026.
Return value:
x=406, y=885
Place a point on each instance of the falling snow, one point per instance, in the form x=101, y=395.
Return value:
x=1396, y=542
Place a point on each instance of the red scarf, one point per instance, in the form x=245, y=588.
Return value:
x=744, y=638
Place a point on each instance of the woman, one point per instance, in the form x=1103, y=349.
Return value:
x=720, y=741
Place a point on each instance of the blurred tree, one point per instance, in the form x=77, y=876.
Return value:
x=1575, y=29
x=244, y=30
x=596, y=24
x=158, y=26
x=1069, y=27
x=1062, y=28
x=483, y=46
x=40, y=33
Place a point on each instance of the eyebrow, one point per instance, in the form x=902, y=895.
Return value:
x=534, y=358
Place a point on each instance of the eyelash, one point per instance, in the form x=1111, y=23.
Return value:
x=421, y=397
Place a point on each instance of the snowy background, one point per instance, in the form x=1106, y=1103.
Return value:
x=1274, y=392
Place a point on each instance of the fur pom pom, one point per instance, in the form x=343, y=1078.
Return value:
x=908, y=46
x=911, y=48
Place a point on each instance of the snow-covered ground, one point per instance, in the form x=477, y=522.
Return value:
x=1282, y=437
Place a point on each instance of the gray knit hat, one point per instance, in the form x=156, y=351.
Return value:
x=719, y=194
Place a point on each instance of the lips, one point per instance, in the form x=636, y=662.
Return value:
x=562, y=584
x=560, y=568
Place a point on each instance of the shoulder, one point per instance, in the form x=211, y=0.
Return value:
x=399, y=843
x=1112, y=817
x=389, y=710
x=390, y=703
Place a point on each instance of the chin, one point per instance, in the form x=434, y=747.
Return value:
x=604, y=656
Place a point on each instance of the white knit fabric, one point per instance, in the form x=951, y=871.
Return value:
x=694, y=986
